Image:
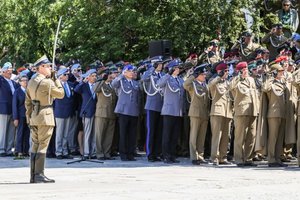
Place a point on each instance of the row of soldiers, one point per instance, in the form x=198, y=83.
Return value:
x=89, y=106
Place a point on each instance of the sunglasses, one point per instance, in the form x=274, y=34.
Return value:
x=77, y=70
x=65, y=74
x=286, y=4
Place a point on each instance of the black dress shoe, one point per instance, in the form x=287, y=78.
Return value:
x=67, y=157
x=137, y=155
x=101, y=158
x=156, y=159
x=93, y=157
x=196, y=162
x=175, y=161
x=250, y=164
x=202, y=161
x=109, y=158
x=2, y=154
x=131, y=159
x=277, y=165
x=240, y=164
x=59, y=157
x=168, y=161
x=124, y=159
x=151, y=160
x=75, y=153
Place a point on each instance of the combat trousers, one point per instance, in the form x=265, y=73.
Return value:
x=244, y=138
x=104, y=128
x=40, y=138
x=197, y=137
x=62, y=135
x=275, y=139
x=7, y=132
x=220, y=127
x=89, y=138
x=154, y=134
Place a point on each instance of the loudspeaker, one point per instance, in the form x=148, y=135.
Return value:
x=160, y=48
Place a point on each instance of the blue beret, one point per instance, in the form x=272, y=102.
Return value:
x=89, y=72
x=75, y=66
x=62, y=71
x=128, y=68
x=24, y=72
x=43, y=60
x=173, y=64
x=6, y=66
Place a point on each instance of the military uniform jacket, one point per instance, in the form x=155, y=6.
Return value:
x=173, y=92
x=45, y=94
x=296, y=84
x=221, y=101
x=273, y=42
x=247, y=52
x=213, y=57
x=154, y=99
x=106, y=100
x=199, y=106
x=246, y=102
x=128, y=96
x=276, y=92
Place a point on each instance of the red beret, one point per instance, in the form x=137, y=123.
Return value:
x=21, y=69
x=221, y=66
x=281, y=58
x=241, y=65
x=193, y=56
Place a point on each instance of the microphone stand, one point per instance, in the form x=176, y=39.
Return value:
x=83, y=118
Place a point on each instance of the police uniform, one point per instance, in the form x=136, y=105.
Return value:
x=40, y=94
x=198, y=113
x=172, y=112
x=153, y=108
x=127, y=109
x=245, y=113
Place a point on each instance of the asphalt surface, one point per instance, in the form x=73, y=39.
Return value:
x=143, y=180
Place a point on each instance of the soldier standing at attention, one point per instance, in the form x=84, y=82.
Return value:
x=274, y=40
x=198, y=113
x=40, y=94
x=172, y=110
x=220, y=115
x=245, y=112
x=127, y=109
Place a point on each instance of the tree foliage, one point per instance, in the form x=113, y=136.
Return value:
x=121, y=29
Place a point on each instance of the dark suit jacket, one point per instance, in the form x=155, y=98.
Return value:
x=18, y=106
x=88, y=106
x=64, y=108
x=6, y=96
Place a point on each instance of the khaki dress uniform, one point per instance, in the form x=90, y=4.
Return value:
x=105, y=118
x=41, y=118
x=199, y=115
x=246, y=105
x=276, y=115
x=220, y=118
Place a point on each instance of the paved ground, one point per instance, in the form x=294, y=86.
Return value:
x=143, y=180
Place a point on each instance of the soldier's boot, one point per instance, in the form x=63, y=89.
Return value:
x=39, y=176
x=32, y=166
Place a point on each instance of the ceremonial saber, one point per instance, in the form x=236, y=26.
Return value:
x=55, y=43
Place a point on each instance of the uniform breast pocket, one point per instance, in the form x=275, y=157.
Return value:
x=218, y=108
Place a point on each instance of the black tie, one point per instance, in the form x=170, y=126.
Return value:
x=158, y=75
x=177, y=80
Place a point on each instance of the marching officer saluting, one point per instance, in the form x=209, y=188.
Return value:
x=40, y=94
x=198, y=113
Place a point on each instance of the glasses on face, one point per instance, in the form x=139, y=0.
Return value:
x=24, y=80
x=286, y=5
x=66, y=74
x=77, y=70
